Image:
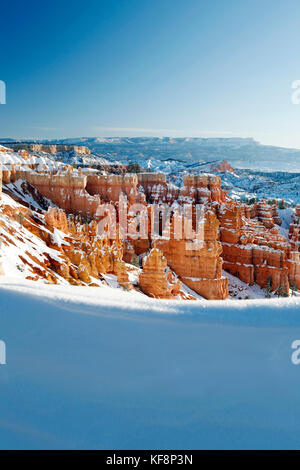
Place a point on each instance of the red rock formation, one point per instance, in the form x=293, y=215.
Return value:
x=250, y=251
x=122, y=275
x=294, y=230
x=82, y=253
x=128, y=251
x=110, y=187
x=5, y=149
x=198, y=263
x=67, y=190
x=56, y=218
x=249, y=211
x=267, y=214
x=222, y=167
x=154, y=279
x=156, y=188
x=53, y=148
x=6, y=175
x=294, y=258
x=294, y=269
x=202, y=189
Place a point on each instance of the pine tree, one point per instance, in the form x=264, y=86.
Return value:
x=269, y=288
x=281, y=292
x=133, y=168
x=135, y=261
x=294, y=289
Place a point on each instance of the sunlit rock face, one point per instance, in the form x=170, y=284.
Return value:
x=199, y=189
x=1, y=265
x=202, y=189
x=198, y=263
x=251, y=251
x=222, y=167
x=109, y=188
x=67, y=190
x=154, y=280
x=122, y=275
x=294, y=258
x=82, y=254
x=267, y=214
x=294, y=230
x=56, y=218
x=156, y=189
x=53, y=148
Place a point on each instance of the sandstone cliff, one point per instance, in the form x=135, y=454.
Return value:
x=294, y=258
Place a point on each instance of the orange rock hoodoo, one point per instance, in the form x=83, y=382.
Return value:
x=122, y=275
x=155, y=280
x=198, y=263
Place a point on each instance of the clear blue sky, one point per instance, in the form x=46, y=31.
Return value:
x=151, y=67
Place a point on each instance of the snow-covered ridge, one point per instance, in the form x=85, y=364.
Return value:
x=114, y=303
x=240, y=152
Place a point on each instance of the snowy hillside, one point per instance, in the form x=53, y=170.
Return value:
x=257, y=184
x=9, y=158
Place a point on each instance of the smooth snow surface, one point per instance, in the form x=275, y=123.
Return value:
x=103, y=368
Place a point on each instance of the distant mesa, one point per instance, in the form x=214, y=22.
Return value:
x=48, y=148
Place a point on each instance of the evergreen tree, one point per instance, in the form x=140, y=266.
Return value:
x=294, y=289
x=269, y=288
x=281, y=292
x=133, y=168
x=135, y=261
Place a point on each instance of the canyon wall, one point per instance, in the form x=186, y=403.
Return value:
x=67, y=190
x=251, y=251
x=241, y=239
x=110, y=187
x=294, y=258
x=197, y=262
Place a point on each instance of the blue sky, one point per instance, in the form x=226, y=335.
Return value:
x=148, y=67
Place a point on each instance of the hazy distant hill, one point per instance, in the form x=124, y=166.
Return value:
x=241, y=152
x=161, y=152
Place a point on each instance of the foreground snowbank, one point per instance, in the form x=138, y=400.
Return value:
x=115, y=302
x=101, y=368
